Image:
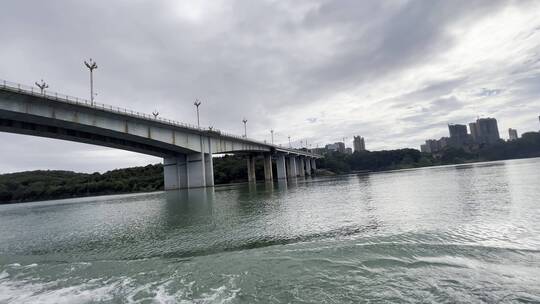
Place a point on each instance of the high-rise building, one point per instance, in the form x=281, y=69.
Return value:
x=359, y=144
x=485, y=131
x=474, y=132
x=331, y=147
x=432, y=146
x=512, y=134
x=458, y=135
x=488, y=130
x=340, y=147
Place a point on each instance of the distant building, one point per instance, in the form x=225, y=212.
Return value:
x=331, y=147
x=340, y=147
x=458, y=135
x=348, y=150
x=443, y=142
x=488, y=130
x=512, y=134
x=434, y=146
x=485, y=131
x=335, y=147
x=359, y=144
x=475, y=134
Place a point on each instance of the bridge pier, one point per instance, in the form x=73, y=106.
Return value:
x=281, y=167
x=301, y=170
x=251, y=169
x=175, y=172
x=291, y=167
x=209, y=169
x=195, y=170
x=308, y=166
x=313, y=165
x=268, y=175
x=188, y=171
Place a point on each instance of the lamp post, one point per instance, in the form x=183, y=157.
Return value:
x=289, y=141
x=245, y=127
x=272, y=132
x=155, y=113
x=197, y=103
x=42, y=86
x=91, y=65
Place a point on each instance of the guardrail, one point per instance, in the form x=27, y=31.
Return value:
x=30, y=90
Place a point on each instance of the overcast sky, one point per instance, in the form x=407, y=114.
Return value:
x=395, y=72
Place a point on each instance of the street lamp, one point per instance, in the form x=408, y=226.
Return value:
x=197, y=103
x=289, y=141
x=155, y=113
x=272, y=132
x=245, y=128
x=42, y=86
x=91, y=65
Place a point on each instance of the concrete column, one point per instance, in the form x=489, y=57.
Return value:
x=175, y=172
x=308, y=166
x=291, y=168
x=301, y=168
x=209, y=165
x=195, y=170
x=251, y=169
x=209, y=169
x=268, y=175
x=280, y=164
x=313, y=165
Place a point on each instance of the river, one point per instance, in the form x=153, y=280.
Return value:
x=453, y=234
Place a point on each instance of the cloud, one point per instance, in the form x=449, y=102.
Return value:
x=394, y=72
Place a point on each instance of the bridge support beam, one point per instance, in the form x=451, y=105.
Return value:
x=268, y=175
x=281, y=167
x=308, y=166
x=291, y=167
x=301, y=168
x=251, y=169
x=313, y=165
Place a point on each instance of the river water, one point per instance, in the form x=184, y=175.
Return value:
x=454, y=234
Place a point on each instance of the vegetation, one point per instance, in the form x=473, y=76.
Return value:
x=45, y=185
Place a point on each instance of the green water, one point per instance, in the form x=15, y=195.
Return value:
x=456, y=234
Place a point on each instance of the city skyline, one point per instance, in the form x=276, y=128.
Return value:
x=303, y=69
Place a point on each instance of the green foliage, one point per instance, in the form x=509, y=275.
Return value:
x=45, y=185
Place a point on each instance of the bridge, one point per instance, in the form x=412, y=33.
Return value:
x=186, y=149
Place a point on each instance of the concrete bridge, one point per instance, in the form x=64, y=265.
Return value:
x=186, y=149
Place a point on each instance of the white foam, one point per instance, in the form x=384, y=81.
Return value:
x=101, y=290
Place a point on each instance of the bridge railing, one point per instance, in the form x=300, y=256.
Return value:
x=30, y=90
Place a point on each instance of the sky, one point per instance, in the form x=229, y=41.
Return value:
x=395, y=72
